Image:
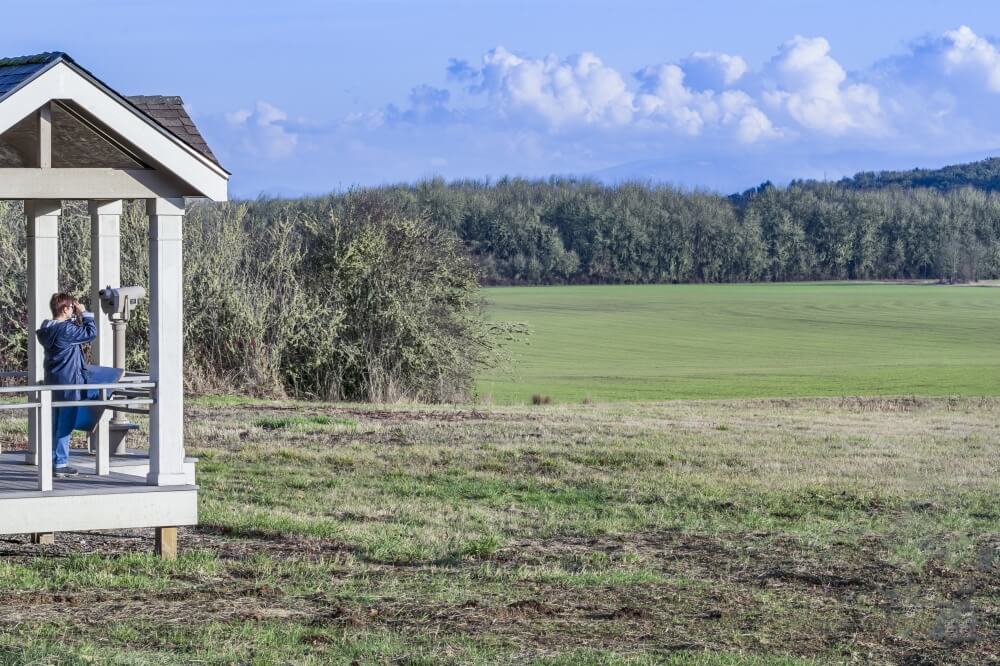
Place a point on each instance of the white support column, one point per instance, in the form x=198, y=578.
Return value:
x=105, y=270
x=43, y=281
x=166, y=341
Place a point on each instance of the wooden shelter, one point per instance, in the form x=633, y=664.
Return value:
x=65, y=135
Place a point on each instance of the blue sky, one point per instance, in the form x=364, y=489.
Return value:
x=308, y=97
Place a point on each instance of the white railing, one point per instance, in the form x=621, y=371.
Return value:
x=123, y=396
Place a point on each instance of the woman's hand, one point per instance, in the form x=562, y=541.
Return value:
x=78, y=309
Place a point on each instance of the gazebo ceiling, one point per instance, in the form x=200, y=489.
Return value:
x=77, y=142
x=89, y=126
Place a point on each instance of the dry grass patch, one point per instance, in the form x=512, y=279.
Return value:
x=780, y=531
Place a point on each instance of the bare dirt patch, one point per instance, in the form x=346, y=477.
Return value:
x=732, y=591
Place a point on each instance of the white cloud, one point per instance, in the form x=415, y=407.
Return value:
x=263, y=130
x=941, y=93
x=582, y=91
x=801, y=94
x=966, y=52
x=664, y=96
x=751, y=124
x=579, y=90
x=238, y=118
x=427, y=105
x=806, y=82
x=709, y=70
x=799, y=113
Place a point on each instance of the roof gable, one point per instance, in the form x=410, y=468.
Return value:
x=167, y=111
x=157, y=126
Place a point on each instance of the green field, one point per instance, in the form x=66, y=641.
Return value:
x=740, y=341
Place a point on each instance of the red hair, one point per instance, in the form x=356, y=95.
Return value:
x=60, y=302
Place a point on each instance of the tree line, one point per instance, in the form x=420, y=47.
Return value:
x=564, y=231
x=982, y=175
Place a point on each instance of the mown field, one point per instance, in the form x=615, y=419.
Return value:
x=785, y=532
x=660, y=342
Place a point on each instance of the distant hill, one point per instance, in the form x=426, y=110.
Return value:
x=984, y=175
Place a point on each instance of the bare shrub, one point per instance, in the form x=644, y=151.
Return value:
x=412, y=326
x=291, y=298
x=13, y=289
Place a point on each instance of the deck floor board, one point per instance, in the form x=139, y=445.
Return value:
x=18, y=479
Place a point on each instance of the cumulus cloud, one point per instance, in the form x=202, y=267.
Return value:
x=806, y=82
x=957, y=60
x=935, y=87
x=583, y=91
x=966, y=52
x=579, y=90
x=427, y=105
x=264, y=130
x=751, y=124
x=517, y=112
x=664, y=96
x=709, y=70
x=238, y=118
x=942, y=90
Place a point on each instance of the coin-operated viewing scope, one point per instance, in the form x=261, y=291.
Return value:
x=119, y=303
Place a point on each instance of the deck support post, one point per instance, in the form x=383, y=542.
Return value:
x=43, y=538
x=105, y=270
x=43, y=280
x=45, y=421
x=166, y=543
x=166, y=342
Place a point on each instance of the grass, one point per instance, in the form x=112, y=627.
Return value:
x=724, y=532
x=569, y=530
x=302, y=422
x=660, y=342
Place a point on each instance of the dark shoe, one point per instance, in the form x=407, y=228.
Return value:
x=65, y=471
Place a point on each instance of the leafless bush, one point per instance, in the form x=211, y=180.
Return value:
x=281, y=298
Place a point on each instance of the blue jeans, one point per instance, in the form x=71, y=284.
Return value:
x=63, y=420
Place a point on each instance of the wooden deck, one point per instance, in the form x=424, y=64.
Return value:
x=18, y=479
x=88, y=501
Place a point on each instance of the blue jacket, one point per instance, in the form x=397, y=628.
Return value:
x=64, y=362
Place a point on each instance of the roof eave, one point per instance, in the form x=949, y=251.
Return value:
x=139, y=112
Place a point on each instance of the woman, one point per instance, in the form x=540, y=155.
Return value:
x=63, y=338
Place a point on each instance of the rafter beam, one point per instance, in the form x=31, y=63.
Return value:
x=45, y=136
x=61, y=183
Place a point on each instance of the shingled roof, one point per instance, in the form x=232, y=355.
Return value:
x=15, y=71
x=166, y=111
